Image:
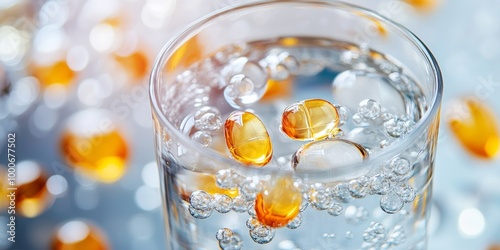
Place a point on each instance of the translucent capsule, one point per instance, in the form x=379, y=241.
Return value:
x=93, y=145
x=31, y=195
x=352, y=87
x=245, y=82
x=247, y=139
x=328, y=154
x=279, y=204
x=311, y=119
x=79, y=235
x=475, y=126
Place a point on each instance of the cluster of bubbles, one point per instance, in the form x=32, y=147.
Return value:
x=377, y=237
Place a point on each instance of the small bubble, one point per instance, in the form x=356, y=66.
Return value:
x=207, y=119
x=252, y=223
x=240, y=204
x=380, y=184
x=341, y=192
x=349, y=235
x=397, y=236
x=227, y=179
x=343, y=114
x=320, y=196
x=357, y=118
x=375, y=233
x=356, y=215
x=406, y=192
x=249, y=188
x=336, y=209
x=202, y=137
x=200, y=200
x=296, y=222
x=369, y=109
x=222, y=203
x=359, y=188
x=200, y=214
x=262, y=234
x=400, y=166
x=384, y=143
x=224, y=235
x=391, y=203
x=228, y=240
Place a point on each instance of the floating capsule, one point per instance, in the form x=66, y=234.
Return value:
x=312, y=119
x=475, y=126
x=247, y=139
x=279, y=204
x=93, y=145
x=328, y=154
x=32, y=196
x=79, y=235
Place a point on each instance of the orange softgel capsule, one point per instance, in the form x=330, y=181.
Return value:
x=79, y=235
x=475, y=126
x=278, y=205
x=247, y=139
x=32, y=196
x=312, y=119
x=93, y=145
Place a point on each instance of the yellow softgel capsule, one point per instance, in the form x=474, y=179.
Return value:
x=475, y=126
x=56, y=73
x=93, y=145
x=32, y=196
x=312, y=119
x=279, y=204
x=79, y=235
x=247, y=139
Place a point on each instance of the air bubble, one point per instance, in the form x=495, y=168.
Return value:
x=336, y=209
x=356, y=215
x=207, y=119
x=341, y=192
x=240, y=204
x=320, y=196
x=201, y=200
x=400, y=166
x=200, y=214
x=227, y=179
x=406, y=192
x=397, y=127
x=375, y=233
x=391, y=203
x=249, y=188
x=262, y=234
x=222, y=203
x=349, y=235
x=252, y=223
x=380, y=184
x=359, y=188
x=228, y=240
x=202, y=137
x=295, y=223
x=369, y=109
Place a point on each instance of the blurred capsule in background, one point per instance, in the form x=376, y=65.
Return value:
x=424, y=5
x=93, y=145
x=135, y=64
x=475, y=126
x=32, y=196
x=79, y=235
x=4, y=199
x=57, y=72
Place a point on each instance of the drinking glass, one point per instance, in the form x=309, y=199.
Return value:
x=296, y=125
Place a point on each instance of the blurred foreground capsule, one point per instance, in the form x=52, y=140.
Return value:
x=93, y=145
x=475, y=126
x=79, y=235
x=32, y=196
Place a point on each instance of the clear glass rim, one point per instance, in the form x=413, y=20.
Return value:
x=391, y=151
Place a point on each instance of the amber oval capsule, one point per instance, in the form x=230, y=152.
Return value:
x=79, y=235
x=311, y=119
x=31, y=196
x=475, y=126
x=328, y=154
x=247, y=139
x=278, y=205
